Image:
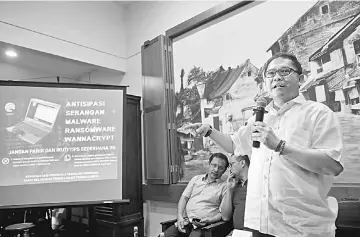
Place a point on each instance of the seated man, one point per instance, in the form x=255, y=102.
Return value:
x=239, y=169
x=237, y=189
x=202, y=200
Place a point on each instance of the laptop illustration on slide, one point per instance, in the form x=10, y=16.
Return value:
x=38, y=122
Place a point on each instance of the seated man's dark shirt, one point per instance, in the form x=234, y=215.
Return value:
x=239, y=203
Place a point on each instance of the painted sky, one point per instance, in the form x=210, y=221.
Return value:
x=247, y=35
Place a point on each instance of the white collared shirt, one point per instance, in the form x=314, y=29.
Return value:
x=284, y=199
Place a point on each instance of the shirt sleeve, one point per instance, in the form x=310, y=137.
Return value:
x=188, y=190
x=242, y=139
x=327, y=136
x=224, y=191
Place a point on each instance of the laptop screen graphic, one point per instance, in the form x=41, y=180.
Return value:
x=42, y=113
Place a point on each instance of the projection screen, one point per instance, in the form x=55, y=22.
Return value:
x=60, y=143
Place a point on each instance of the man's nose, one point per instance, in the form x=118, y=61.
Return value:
x=277, y=77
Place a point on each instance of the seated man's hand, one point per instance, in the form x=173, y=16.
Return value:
x=181, y=222
x=231, y=181
x=203, y=222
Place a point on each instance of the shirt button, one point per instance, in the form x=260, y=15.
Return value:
x=264, y=196
x=265, y=177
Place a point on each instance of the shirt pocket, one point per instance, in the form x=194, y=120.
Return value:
x=299, y=136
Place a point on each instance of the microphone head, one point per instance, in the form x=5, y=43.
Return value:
x=261, y=102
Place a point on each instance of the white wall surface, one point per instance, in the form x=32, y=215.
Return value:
x=349, y=47
x=103, y=77
x=20, y=73
x=156, y=212
x=92, y=32
x=66, y=27
x=15, y=73
x=337, y=60
x=147, y=20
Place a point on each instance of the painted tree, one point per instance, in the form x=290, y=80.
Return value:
x=188, y=97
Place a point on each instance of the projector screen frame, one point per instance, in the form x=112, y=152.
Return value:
x=11, y=83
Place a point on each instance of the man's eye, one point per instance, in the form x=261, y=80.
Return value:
x=285, y=70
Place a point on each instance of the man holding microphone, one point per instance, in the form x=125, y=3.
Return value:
x=292, y=171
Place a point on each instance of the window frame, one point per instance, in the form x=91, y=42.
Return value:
x=325, y=58
x=173, y=191
x=209, y=17
x=328, y=9
x=357, y=54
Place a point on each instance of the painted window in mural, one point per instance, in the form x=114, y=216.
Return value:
x=217, y=72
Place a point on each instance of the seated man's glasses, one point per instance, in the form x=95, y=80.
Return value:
x=285, y=71
x=220, y=167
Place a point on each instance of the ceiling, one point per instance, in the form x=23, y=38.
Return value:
x=48, y=63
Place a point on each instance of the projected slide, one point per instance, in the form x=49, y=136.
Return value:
x=52, y=135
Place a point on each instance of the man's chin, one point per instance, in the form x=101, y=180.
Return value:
x=278, y=94
x=214, y=176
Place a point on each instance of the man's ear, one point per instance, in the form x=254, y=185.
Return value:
x=301, y=79
x=243, y=163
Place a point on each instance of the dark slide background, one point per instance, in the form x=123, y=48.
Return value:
x=60, y=163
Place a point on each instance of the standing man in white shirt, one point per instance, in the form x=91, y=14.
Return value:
x=293, y=170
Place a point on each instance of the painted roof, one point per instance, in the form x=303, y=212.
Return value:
x=223, y=80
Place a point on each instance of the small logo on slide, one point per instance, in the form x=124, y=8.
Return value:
x=5, y=161
x=10, y=107
x=67, y=157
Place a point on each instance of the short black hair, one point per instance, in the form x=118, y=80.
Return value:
x=289, y=56
x=220, y=156
x=245, y=158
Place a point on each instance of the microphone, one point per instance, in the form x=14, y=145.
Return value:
x=260, y=111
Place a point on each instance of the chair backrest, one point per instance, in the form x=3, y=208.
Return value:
x=348, y=214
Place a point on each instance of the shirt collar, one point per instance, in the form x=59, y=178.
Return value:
x=243, y=184
x=300, y=99
x=204, y=178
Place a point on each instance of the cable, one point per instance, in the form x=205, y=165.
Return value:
x=133, y=55
x=100, y=51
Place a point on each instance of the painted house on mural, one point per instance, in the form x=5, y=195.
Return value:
x=226, y=93
x=314, y=28
x=335, y=72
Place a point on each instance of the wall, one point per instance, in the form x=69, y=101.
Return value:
x=13, y=72
x=91, y=32
x=108, y=77
x=349, y=47
x=156, y=212
x=314, y=65
x=145, y=21
x=336, y=60
x=101, y=33
x=16, y=73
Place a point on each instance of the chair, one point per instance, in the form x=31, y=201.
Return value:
x=218, y=229
x=348, y=218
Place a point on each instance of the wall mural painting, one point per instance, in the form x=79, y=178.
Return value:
x=218, y=72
